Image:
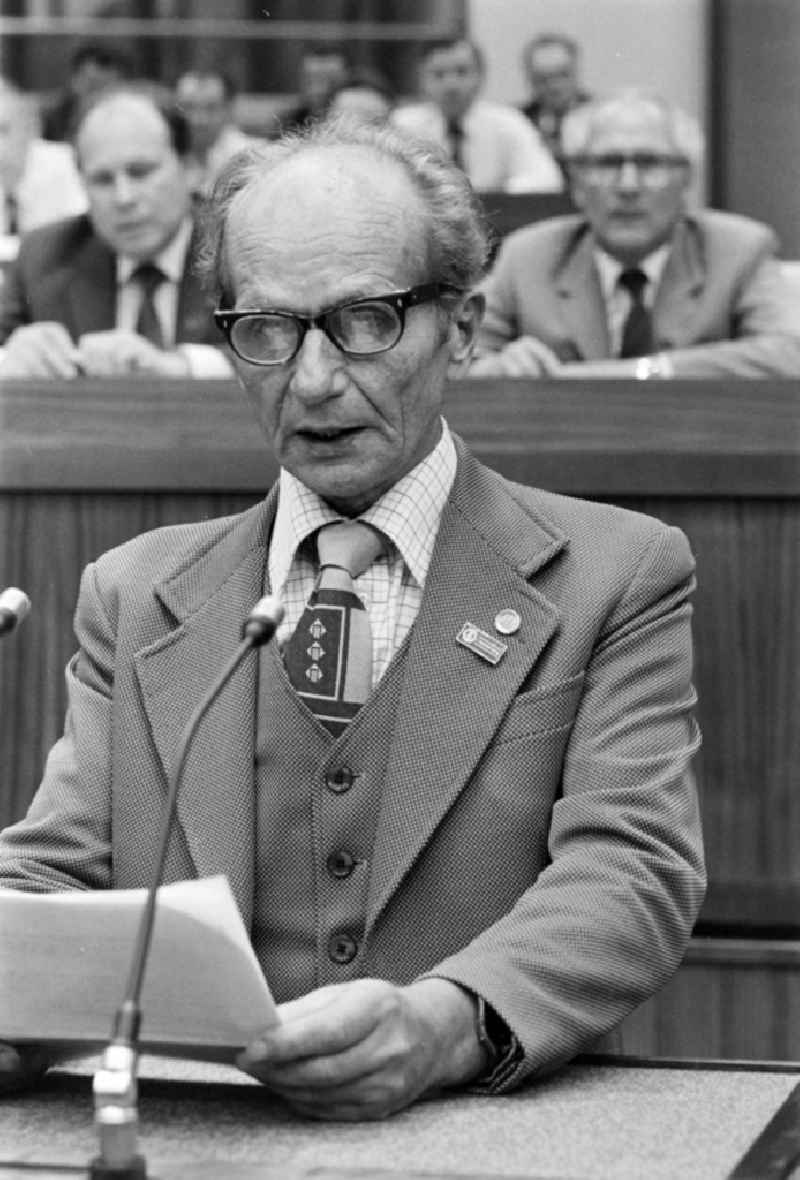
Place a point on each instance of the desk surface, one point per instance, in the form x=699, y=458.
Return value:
x=590, y=1120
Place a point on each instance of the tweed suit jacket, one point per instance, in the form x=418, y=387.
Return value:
x=538, y=838
x=722, y=308
x=66, y=274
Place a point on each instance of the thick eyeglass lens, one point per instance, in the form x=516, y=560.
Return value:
x=265, y=337
x=365, y=327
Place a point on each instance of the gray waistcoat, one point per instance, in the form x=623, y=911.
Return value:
x=317, y=805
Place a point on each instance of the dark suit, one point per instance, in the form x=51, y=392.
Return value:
x=65, y=273
x=538, y=838
x=723, y=306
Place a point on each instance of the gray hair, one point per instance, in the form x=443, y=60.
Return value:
x=457, y=238
x=580, y=124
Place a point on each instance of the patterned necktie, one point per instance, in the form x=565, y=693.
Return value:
x=149, y=278
x=637, y=335
x=329, y=656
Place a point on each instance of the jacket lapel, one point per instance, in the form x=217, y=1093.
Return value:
x=452, y=699
x=91, y=292
x=581, y=299
x=209, y=601
x=680, y=288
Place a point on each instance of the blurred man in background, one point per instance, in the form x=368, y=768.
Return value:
x=638, y=283
x=364, y=94
x=494, y=144
x=551, y=62
x=322, y=69
x=113, y=291
x=206, y=97
x=38, y=180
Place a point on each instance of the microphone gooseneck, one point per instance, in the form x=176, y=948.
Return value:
x=116, y=1113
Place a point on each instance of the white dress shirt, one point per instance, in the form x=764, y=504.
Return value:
x=501, y=150
x=203, y=359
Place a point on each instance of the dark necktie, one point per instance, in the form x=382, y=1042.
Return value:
x=11, y=214
x=455, y=140
x=149, y=278
x=637, y=334
x=329, y=656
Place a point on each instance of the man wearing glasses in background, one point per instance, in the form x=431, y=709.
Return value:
x=454, y=799
x=639, y=283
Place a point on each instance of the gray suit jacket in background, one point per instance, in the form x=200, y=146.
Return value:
x=66, y=274
x=722, y=308
x=538, y=838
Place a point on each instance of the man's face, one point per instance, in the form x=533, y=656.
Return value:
x=632, y=210
x=332, y=226
x=135, y=181
x=203, y=100
x=451, y=78
x=553, y=76
x=320, y=73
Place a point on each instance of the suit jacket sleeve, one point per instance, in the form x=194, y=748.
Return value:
x=65, y=840
x=14, y=310
x=607, y=920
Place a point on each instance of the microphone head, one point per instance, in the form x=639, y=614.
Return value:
x=14, y=606
x=263, y=620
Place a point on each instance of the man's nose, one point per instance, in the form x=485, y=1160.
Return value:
x=124, y=189
x=318, y=368
x=629, y=175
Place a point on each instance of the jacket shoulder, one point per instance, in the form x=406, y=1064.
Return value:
x=49, y=245
x=731, y=230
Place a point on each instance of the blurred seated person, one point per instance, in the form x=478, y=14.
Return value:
x=551, y=62
x=38, y=180
x=364, y=94
x=206, y=97
x=113, y=291
x=92, y=67
x=322, y=68
x=493, y=143
x=637, y=284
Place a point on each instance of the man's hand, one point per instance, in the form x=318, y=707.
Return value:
x=524, y=357
x=117, y=353
x=43, y=349
x=366, y=1049
x=20, y=1066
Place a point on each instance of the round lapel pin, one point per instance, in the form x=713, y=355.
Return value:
x=507, y=622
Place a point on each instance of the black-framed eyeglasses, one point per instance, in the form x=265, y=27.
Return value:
x=363, y=327
x=654, y=168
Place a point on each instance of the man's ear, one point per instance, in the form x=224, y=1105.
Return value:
x=464, y=326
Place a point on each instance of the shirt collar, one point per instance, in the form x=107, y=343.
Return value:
x=609, y=269
x=171, y=260
x=408, y=513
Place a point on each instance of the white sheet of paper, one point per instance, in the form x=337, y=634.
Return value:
x=65, y=960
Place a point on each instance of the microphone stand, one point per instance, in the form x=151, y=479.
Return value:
x=114, y=1085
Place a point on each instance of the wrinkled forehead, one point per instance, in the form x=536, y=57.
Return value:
x=332, y=202
x=645, y=126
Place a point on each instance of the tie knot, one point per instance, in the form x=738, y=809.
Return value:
x=634, y=280
x=351, y=545
x=148, y=276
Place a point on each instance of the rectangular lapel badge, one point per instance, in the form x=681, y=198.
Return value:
x=482, y=643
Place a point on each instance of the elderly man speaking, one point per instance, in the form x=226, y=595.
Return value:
x=471, y=851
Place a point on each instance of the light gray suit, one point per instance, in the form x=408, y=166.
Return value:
x=538, y=838
x=722, y=308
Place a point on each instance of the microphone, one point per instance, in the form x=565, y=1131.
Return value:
x=114, y=1085
x=14, y=607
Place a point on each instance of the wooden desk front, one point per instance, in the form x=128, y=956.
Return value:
x=590, y=1120
x=87, y=465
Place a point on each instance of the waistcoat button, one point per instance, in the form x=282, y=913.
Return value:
x=342, y=948
x=341, y=863
x=340, y=780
